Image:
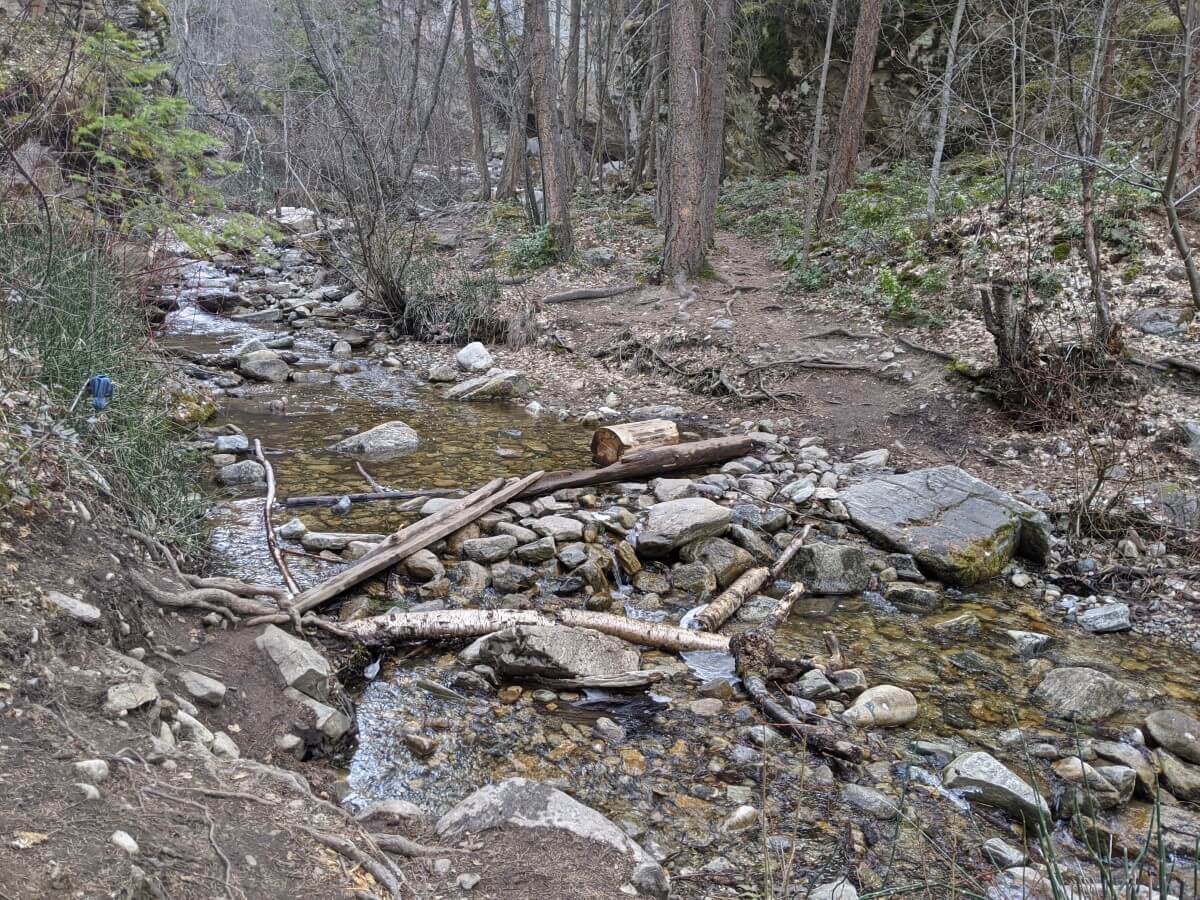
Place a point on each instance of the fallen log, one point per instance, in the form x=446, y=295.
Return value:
x=646, y=463
x=366, y=497
x=418, y=536
x=750, y=582
x=611, y=442
x=448, y=624
x=588, y=293
x=272, y=543
x=648, y=634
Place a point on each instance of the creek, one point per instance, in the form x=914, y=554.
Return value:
x=682, y=767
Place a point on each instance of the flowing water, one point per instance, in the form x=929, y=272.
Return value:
x=676, y=775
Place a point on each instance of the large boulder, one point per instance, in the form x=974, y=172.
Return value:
x=501, y=385
x=530, y=804
x=725, y=560
x=828, y=568
x=263, y=365
x=1176, y=731
x=958, y=528
x=677, y=522
x=300, y=666
x=552, y=652
x=984, y=779
x=387, y=441
x=1080, y=693
x=474, y=358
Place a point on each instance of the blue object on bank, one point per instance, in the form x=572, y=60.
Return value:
x=100, y=389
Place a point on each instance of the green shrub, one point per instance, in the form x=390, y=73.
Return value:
x=78, y=318
x=902, y=303
x=532, y=251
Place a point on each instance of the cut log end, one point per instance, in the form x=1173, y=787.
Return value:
x=611, y=442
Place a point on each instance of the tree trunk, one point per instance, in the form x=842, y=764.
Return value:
x=1184, y=124
x=648, y=118
x=683, y=252
x=478, y=145
x=571, y=101
x=854, y=107
x=939, y=141
x=545, y=90
x=423, y=126
x=514, y=150
x=1096, y=95
x=814, y=146
x=717, y=35
x=612, y=442
x=647, y=463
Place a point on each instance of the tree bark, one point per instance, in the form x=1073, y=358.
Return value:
x=683, y=252
x=854, y=107
x=1184, y=124
x=814, y=147
x=612, y=442
x=939, y=141
x=514, y=150
x=648, y=118
x=716, y=613
x=545, y=91
x=645, y=463
x=478, y=143
x=717, y=35
x=571, y=101
x=1096, y=95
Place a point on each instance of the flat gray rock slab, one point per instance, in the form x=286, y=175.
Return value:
x=959, y=529
x=982, y=778
x=531, y=804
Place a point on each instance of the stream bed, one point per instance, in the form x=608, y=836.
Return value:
x=672, y=764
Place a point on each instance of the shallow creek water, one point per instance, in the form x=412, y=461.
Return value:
x=678, y=773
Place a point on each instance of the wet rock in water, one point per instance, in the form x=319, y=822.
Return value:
x=725, y=560
x=469, y=577
x=486, y=550
x=1028, y=643
x=509, y=578
x=123, y=698
x=910, y=597
x=1080, y=693
x=1130, y=757
x=333, y=723
x=957, y=527
x=883, y=706
x=828, y=568
x=1181, y=779
x=609, y=730
x=231, y=443
x=693, y=578
x=74, y=607
x=335, y=540
x=982, y=778
x=245, y=472
x=341, y=350
x=502, y=385
x=475, y=358
x=201, y=688
x=552, y=652
x=530, y=804
x=383, y=442
x=1175, y=731
x=849, y=681
x=1093, y=791
x=1106, y=618
x=813, y=685
x=677, y=522
x=441, y=373
x=300, y=666
x=263, y=365
x=957, y=628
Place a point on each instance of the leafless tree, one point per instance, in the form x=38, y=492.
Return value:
x=555, y=187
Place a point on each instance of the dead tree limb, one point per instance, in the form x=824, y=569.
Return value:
x=588, y=293
x=730, y=601
x=418, y=536
x=648, y=634
x=369, y=497
x=382, y=871
x=272, y=543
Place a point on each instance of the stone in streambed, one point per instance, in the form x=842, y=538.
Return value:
x=489, y=549
x=383, y=442
x=245, y=472
x=263, y=365
x=501, y=385
x=725, y=560
x=677, y=522
x=1080, y=693
x=883, y=706
x=552, y=652
x=982, y=778
x=1175, y=731
x=299, y=665
x=958, y=528
x=828, y=568
x=474, y=358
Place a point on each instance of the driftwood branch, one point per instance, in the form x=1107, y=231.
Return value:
x=368, y=497
x=588, y=293
x=718, y=612
x=272, y=542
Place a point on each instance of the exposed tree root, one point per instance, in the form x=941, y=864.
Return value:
x=394, y=843
x=382, y=871
x=215, y=600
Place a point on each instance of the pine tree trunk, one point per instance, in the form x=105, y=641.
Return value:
x=545, y=90
x=479, y=146
x=854, y=107
x=683, y=252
